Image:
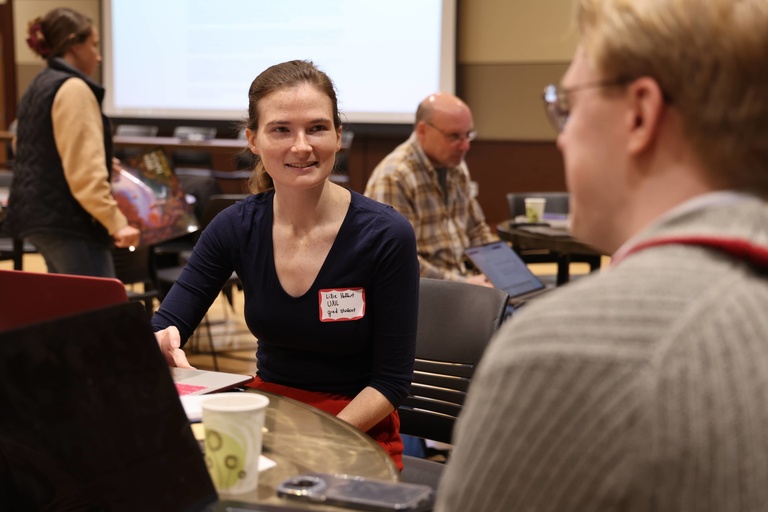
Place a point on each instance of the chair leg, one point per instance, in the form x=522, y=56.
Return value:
x=149, y=305
x=18, y=254
x=210, y=342
x=563, y=268
x=594, y=263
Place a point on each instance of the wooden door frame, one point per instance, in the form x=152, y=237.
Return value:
x=8, y=59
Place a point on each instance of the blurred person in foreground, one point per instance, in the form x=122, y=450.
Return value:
x=330, y=277
x=61, y=198
x=643, y=387
x=427, y=180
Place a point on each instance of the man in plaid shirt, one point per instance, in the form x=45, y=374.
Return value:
x=426, y=179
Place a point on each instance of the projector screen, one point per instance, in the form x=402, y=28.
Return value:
x=195, y=59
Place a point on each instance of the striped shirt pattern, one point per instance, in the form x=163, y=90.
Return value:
x=643, y=388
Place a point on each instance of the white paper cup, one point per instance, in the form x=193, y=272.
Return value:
x=233, y=423
x=534, y=208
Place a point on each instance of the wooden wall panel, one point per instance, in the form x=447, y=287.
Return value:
x=498, y=167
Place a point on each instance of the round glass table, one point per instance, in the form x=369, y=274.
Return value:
x=300, y=438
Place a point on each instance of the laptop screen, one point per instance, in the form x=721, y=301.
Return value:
x=91, y=419
x=504, y=268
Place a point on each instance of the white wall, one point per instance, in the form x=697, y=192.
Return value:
x=508, y=51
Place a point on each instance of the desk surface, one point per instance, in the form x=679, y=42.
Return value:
x=177, y=143
x=524, y=236
x=556, y=240
x=301, y=438
x=169, y=142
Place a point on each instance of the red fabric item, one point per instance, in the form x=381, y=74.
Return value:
x=386, y=432
x=737, y=248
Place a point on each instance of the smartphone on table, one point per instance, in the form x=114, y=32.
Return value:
x=356, y=492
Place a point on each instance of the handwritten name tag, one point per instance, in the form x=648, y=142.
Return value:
x=341, y=305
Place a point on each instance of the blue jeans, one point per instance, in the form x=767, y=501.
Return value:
x=66, y=254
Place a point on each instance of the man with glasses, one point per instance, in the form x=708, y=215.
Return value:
x=643, y=387
x=426, y=179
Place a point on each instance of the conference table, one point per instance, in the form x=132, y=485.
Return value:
x=556, y=239
x=300, y=438
x=221, y=146
x=225, y=146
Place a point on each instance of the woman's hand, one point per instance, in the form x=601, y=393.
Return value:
x=127, y=237
x=169, y=340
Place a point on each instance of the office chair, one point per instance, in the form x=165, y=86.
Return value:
x=136, y=130
x=133, y=130
x=135, y=267
x=12, y=248
x=166, y=276
x=456, y=322
x=341, y=168
x=559, y=203
x=193, y=158
x=10, y=154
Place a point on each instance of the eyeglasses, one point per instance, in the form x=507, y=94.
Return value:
x=455, y=138
x=558, y=106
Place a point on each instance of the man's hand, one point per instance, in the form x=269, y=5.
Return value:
x=479, y=279
x=169, y=340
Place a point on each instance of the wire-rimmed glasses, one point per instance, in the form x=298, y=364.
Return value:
x=455, y=138
x=557, y=104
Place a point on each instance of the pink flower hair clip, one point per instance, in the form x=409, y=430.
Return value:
x=36, y=39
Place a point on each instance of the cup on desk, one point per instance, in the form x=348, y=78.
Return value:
x=233, y=435
x=534, y=208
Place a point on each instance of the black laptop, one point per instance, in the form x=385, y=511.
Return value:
x=506, y=271
x=90, y=420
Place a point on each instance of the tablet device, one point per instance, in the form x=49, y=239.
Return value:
x=506, y=271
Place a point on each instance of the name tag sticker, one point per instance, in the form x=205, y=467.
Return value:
x=341, y=305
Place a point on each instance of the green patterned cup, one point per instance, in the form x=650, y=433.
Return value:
x=233, y=424
x=534, y=209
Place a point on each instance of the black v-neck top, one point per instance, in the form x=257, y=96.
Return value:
x=355, y=327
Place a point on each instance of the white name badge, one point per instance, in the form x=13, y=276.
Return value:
x=341, y=305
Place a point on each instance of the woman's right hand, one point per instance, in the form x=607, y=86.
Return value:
x=127, y=236
x=169, y=340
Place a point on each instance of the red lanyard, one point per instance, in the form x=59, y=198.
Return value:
x=739, y=249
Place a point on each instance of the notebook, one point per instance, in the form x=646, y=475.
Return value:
x=506, y=271
x=200, y=382
x=90, y=420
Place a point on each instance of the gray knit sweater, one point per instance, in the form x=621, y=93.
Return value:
x=643, y=388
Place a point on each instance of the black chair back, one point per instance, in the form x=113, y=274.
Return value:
x=190, y=157
x=133, y=130
x=136, y=130
x=456, y=322
x=134, y=267
x=557, y=202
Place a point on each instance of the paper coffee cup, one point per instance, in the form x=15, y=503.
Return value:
x=233, y=435
x=534, y=208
